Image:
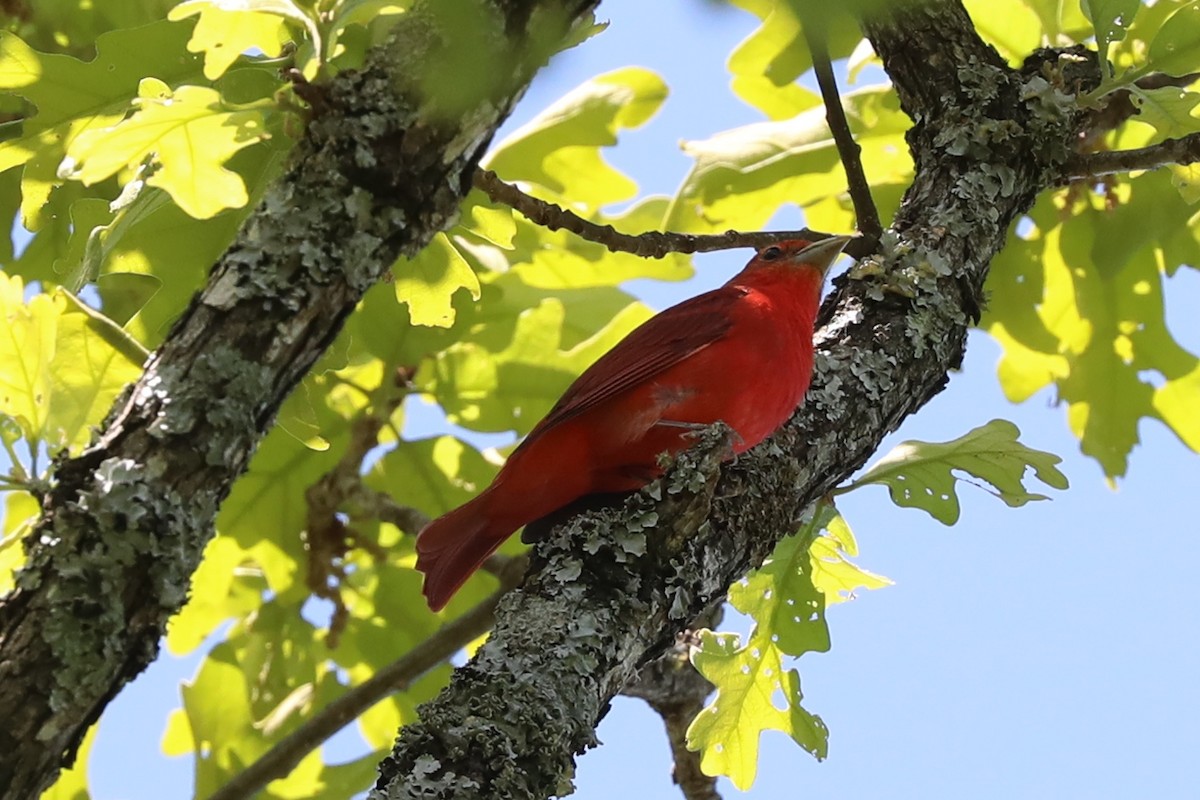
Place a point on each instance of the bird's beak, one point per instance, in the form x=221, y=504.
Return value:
x=822, y=254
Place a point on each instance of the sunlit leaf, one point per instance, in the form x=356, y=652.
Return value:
x=559, y=148
x=228, y=28
x=26, y=354
x=428, y=282
x=1176, y=48
x=1078, y=305
x=923, y=474
x=754, y=691
x=743, y=176
x=73, y=97
x=189, y=133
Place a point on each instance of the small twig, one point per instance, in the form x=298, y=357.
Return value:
x=1184, y=150
x=327, y=538
x=395, y=677
x=856, y=180
x=370, y=504
x=673, y=688
x=651, y=244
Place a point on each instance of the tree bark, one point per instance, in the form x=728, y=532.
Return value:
x=383, y=166
x=986, y=140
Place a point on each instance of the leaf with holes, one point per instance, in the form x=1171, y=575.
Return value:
x=1110, y=18
x=833, y=573
x=789, y=614
x=921, y=474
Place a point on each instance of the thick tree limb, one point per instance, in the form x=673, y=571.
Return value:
x=382, y=168
x=594, y=609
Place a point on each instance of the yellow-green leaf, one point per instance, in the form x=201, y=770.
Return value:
x=1077, y=304
x=727, y=732
x=94, y=361
x=1176, y=48
x=428, y=282
x=27, y=347
x=189, y=133
x=559, y=148
x=73, y=97
x=833, y=573
x=224, y=32
x=922, y=474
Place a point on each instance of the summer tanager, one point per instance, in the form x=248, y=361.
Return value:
x=742, y=354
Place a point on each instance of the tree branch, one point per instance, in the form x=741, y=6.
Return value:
x=676, y=691
x=609, y=589
x=651, y=244
x=396, y=677
x=1184, y=150
x=857, y=184
x=380, y=170
x=326, y=538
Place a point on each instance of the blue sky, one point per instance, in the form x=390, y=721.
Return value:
x=1047, y=651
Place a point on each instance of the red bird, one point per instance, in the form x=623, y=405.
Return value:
x=741, y=354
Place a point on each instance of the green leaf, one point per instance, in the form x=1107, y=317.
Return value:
x=428, y=282
x=1169, y=109
x=789, y=614
x=73, y=97
x=727, y=732
x=26, y=353
x=61, y=365
x=743, y=176
x=1077, y=304
x=833, y=573
x=1176, y=48
x=189, y=133
x=559, y=148
x=1186, y=178
x=1110, y=18
x=228, y=28
x=511, y=388
x=1062, y=20
x=1011, y=26
x=483, y=219
x=20, y=510
x=93, y=362
x=922, y=474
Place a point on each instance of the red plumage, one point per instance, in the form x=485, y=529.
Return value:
x=741, y=354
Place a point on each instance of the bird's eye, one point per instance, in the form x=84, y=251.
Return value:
x=771, y=253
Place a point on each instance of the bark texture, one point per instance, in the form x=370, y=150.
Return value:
x=609, y=590
x=383, y=167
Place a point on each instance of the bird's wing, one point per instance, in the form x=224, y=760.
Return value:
x=656, y=345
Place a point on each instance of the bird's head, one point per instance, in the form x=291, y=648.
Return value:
x=802, y=253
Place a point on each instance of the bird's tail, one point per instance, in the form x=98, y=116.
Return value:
x=453, y=546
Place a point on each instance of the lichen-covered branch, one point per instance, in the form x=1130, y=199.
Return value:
x=383, y=166
x=609, y=589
